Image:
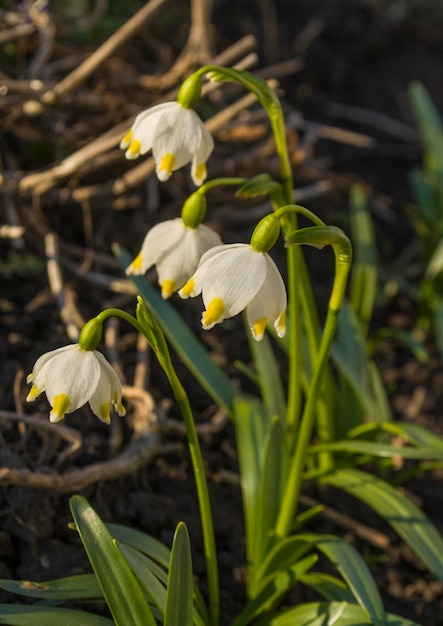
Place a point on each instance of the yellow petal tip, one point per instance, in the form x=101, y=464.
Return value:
x=213, y=314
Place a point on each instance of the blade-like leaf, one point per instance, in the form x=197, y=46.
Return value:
x=179, y=607
x=329, y=614
x=374, y=448
x=407, y=519
x=17, y=615
x=270, y=381
x=141, y=541
x=330, y=587
x=83, y=587
x=272, y=481
x=354, y=571
x=185, y=343
x=152, y=549
x=120, y=587
x=251, y=423
x=154, y=587
x=274, y=589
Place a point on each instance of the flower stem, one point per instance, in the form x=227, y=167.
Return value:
x=343, y=257
x=148, y=327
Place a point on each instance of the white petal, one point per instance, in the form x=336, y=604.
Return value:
x=159, y=240
x=74, y=373
x=108, y=371
x=182, y=260
x=147, y=124
x=179, y=134
x=270, y=301
x=233, y=273
x=201, y=156
x=44, y=359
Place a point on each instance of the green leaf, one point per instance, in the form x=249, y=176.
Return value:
x=282, y=555
x=121, y=589
x=251, y=423
x=185, y=343
x=82, y=587
x=179, y=606
x=374, y=448
x=274, y=589
x=330, y=587
x=329, y=614
x=141, y=565
x=406, y=518
x=354, y=571
x=272, y=481
x=151, y=548
x=141, y=541
x=18, y=615
x=270, y=380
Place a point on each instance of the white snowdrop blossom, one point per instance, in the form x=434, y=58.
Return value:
x=176, y=250
x=70, y=377
x=235, y=277
x=176, y=135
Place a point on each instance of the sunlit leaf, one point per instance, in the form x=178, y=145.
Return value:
x=406, y=518
x=179, y=607
x=120, y=587
x=84, y=586
x=355, y=572
x=18, y=615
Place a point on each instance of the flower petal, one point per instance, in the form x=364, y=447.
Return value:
x=74, y=373
x=182, y=260
x=159, y=240
x=234, y=273
x=269, y=304
x=198, y=170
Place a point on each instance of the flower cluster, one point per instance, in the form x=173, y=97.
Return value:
x=189, y=257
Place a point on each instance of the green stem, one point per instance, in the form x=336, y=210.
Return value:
x=343, y=256
x=149, y=329
x=218, y=182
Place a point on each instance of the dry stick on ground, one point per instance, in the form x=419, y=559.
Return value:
x=73, y=437
x=198, y=49
x=136, y=455
x=34, y=107
x=68, y=312
x=41, y=182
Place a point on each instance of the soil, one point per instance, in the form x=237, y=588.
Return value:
x=358, y=60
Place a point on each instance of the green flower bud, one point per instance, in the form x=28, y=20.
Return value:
x=90, y=334
x=194, y=210
x=265, y=233
x=189, y=92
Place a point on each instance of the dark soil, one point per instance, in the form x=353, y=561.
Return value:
x=358, y=59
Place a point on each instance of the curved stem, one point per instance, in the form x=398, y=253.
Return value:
x=343, y=256
x=148, y=327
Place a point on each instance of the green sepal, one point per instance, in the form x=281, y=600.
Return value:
x=91, y=334
x=190, y=91
x=194, y=210
x=266, y=233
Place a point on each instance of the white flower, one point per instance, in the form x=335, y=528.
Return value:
x=175, y=134
x=176, y=250
x=236, y=277
x=70, y=377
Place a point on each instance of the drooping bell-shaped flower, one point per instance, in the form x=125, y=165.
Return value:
x=235, y=277
x=70, y=377
x=175, y=249
x=176, y=135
